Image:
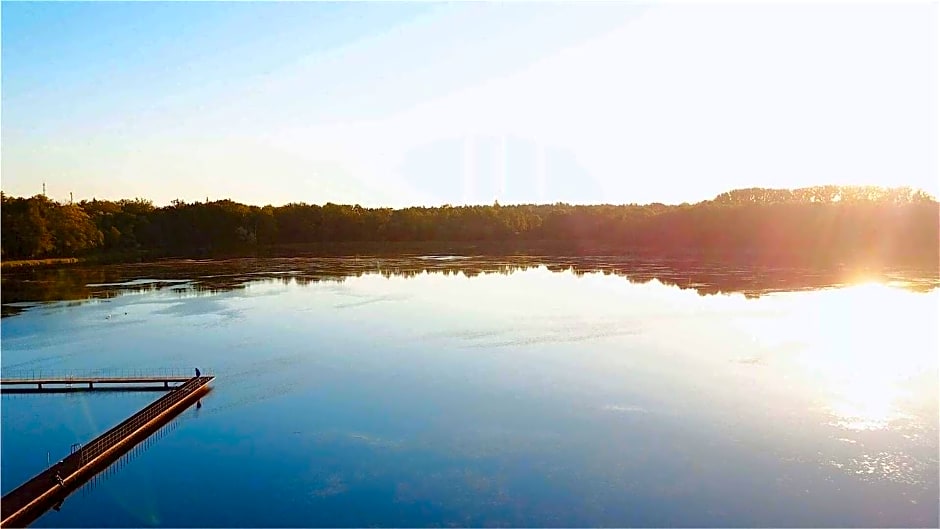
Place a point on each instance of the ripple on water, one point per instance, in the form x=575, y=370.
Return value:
x=617, y=408
x=896, y=467
x=137, y=282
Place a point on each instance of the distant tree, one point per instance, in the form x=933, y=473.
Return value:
x=73, y=231
x=26, y=232
x=813, y=224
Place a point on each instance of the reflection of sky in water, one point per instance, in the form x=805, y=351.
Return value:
x=535, y=398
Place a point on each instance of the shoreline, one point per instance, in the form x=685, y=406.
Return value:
x=811, y=259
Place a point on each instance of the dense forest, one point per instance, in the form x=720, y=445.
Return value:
x=827, y=224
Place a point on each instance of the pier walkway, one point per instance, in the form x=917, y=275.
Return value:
x=26, y=503
x=127, y=380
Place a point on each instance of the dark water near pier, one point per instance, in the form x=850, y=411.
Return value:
x=518, y=391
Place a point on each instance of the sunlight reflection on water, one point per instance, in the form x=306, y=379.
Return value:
x=865, y=355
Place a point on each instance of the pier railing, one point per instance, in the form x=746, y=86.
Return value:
x=65, y=374
x=107, y=440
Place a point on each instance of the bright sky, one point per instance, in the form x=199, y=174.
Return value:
x=394, y=104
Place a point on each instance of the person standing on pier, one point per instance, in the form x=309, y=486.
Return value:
x=197, y=372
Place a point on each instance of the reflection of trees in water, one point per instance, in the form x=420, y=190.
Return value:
x=211, y=277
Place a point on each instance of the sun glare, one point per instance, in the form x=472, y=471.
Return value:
x=858, y=350
x=865, y=404
x=863, y=349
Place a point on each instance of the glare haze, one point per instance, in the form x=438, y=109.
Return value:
x=397, y=104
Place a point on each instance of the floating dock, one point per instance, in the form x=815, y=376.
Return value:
x=24, y=504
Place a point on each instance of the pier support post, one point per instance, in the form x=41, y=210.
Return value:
x=39, y=384
x=90, y=385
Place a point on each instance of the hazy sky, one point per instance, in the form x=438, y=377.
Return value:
x=419, y=103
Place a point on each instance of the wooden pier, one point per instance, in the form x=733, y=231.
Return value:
x=54, y=384
x=29, y=501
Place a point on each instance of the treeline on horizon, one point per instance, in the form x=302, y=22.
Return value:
x=814, y=225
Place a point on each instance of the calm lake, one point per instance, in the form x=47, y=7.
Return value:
x=443, y=391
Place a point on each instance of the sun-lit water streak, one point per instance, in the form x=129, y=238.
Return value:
x=864, y=357
x=868, y=348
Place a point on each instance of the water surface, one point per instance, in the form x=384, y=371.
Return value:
x=421, y=392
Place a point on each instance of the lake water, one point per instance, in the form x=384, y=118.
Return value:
x=517, y=392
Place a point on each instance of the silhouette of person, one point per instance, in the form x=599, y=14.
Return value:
x=197, y=372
